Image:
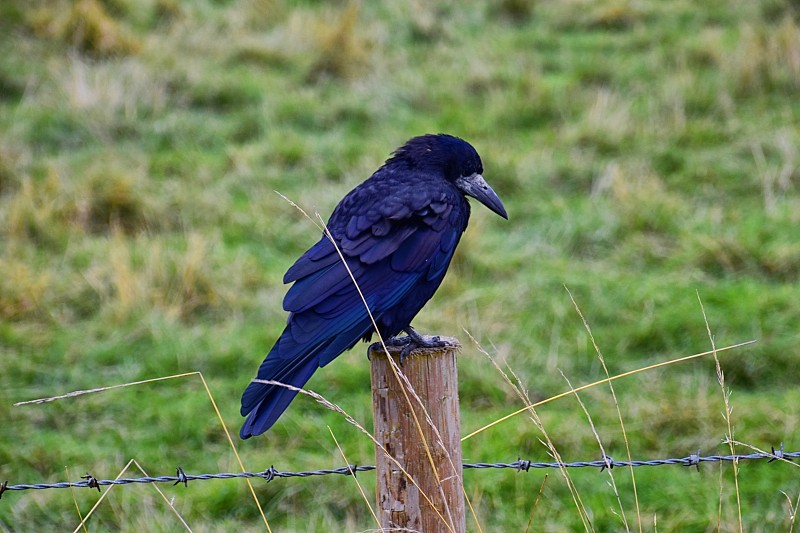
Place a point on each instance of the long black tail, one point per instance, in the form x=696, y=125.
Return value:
x=265, y=403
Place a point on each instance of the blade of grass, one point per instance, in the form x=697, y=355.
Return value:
x=119, y=475
x=235, y=451
x=163, y=496
x=398, y=375
x=759, y=450
x=320, y=224
x=352, y=421
x=408, y=390
x=548, y=443
x=619, y=414
x=353, y=475
x=792, y=510
x=536, y=503
x=728, y=411
x=101, y=389
x=600, y=382
x=603, y=454
x=75, y=500
x=153, y=380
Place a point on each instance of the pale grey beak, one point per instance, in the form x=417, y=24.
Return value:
x=477, y=187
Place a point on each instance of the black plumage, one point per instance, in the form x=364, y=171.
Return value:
x=398, y=231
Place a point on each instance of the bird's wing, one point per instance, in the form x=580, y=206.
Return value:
x=387, y=247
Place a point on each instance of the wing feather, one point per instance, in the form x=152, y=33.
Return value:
x=410, y=235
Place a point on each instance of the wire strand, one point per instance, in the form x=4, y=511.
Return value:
x=519, y=465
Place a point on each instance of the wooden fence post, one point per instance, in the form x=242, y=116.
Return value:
x=434, y=500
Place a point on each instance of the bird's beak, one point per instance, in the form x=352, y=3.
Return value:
x=477, y=187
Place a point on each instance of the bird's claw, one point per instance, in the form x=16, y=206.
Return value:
x=406, y=343
x=405, y=351
x=410, y=342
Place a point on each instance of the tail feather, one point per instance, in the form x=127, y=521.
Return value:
x=274, y=398
x=292, y=363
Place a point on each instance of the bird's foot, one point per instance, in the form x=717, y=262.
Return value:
x=411, y=342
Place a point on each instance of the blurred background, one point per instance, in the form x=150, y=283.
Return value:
x=648, y=153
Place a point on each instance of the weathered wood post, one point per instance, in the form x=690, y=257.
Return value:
x=434, y=500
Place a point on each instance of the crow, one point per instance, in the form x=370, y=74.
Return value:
x=397, y=231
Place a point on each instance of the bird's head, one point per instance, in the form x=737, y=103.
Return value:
x=457, y=160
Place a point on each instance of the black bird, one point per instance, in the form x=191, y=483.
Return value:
x=397, y=231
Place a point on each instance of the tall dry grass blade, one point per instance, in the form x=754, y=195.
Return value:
x=352, y=421
x=153, y=380
x=408, y=389
x=727, y=415
x=409, y=393
x=322, y=226
x=75, y=500
x=602, y=452
x=100, y=500
x=773, y=452
x=163, y=496
x=573, y=490
x=536, y=503
x=291, y=203
x=102, y=389
x=619, y=414
x=235, y=451
x=353, y=475
x=119, y=475
x=607, y=380
x=792, y=510
x=548, y=442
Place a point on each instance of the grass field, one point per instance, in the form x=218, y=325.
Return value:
x=648, y=153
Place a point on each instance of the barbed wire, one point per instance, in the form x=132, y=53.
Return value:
x=520, y=465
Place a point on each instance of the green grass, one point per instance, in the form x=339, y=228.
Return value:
x=647, y=152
